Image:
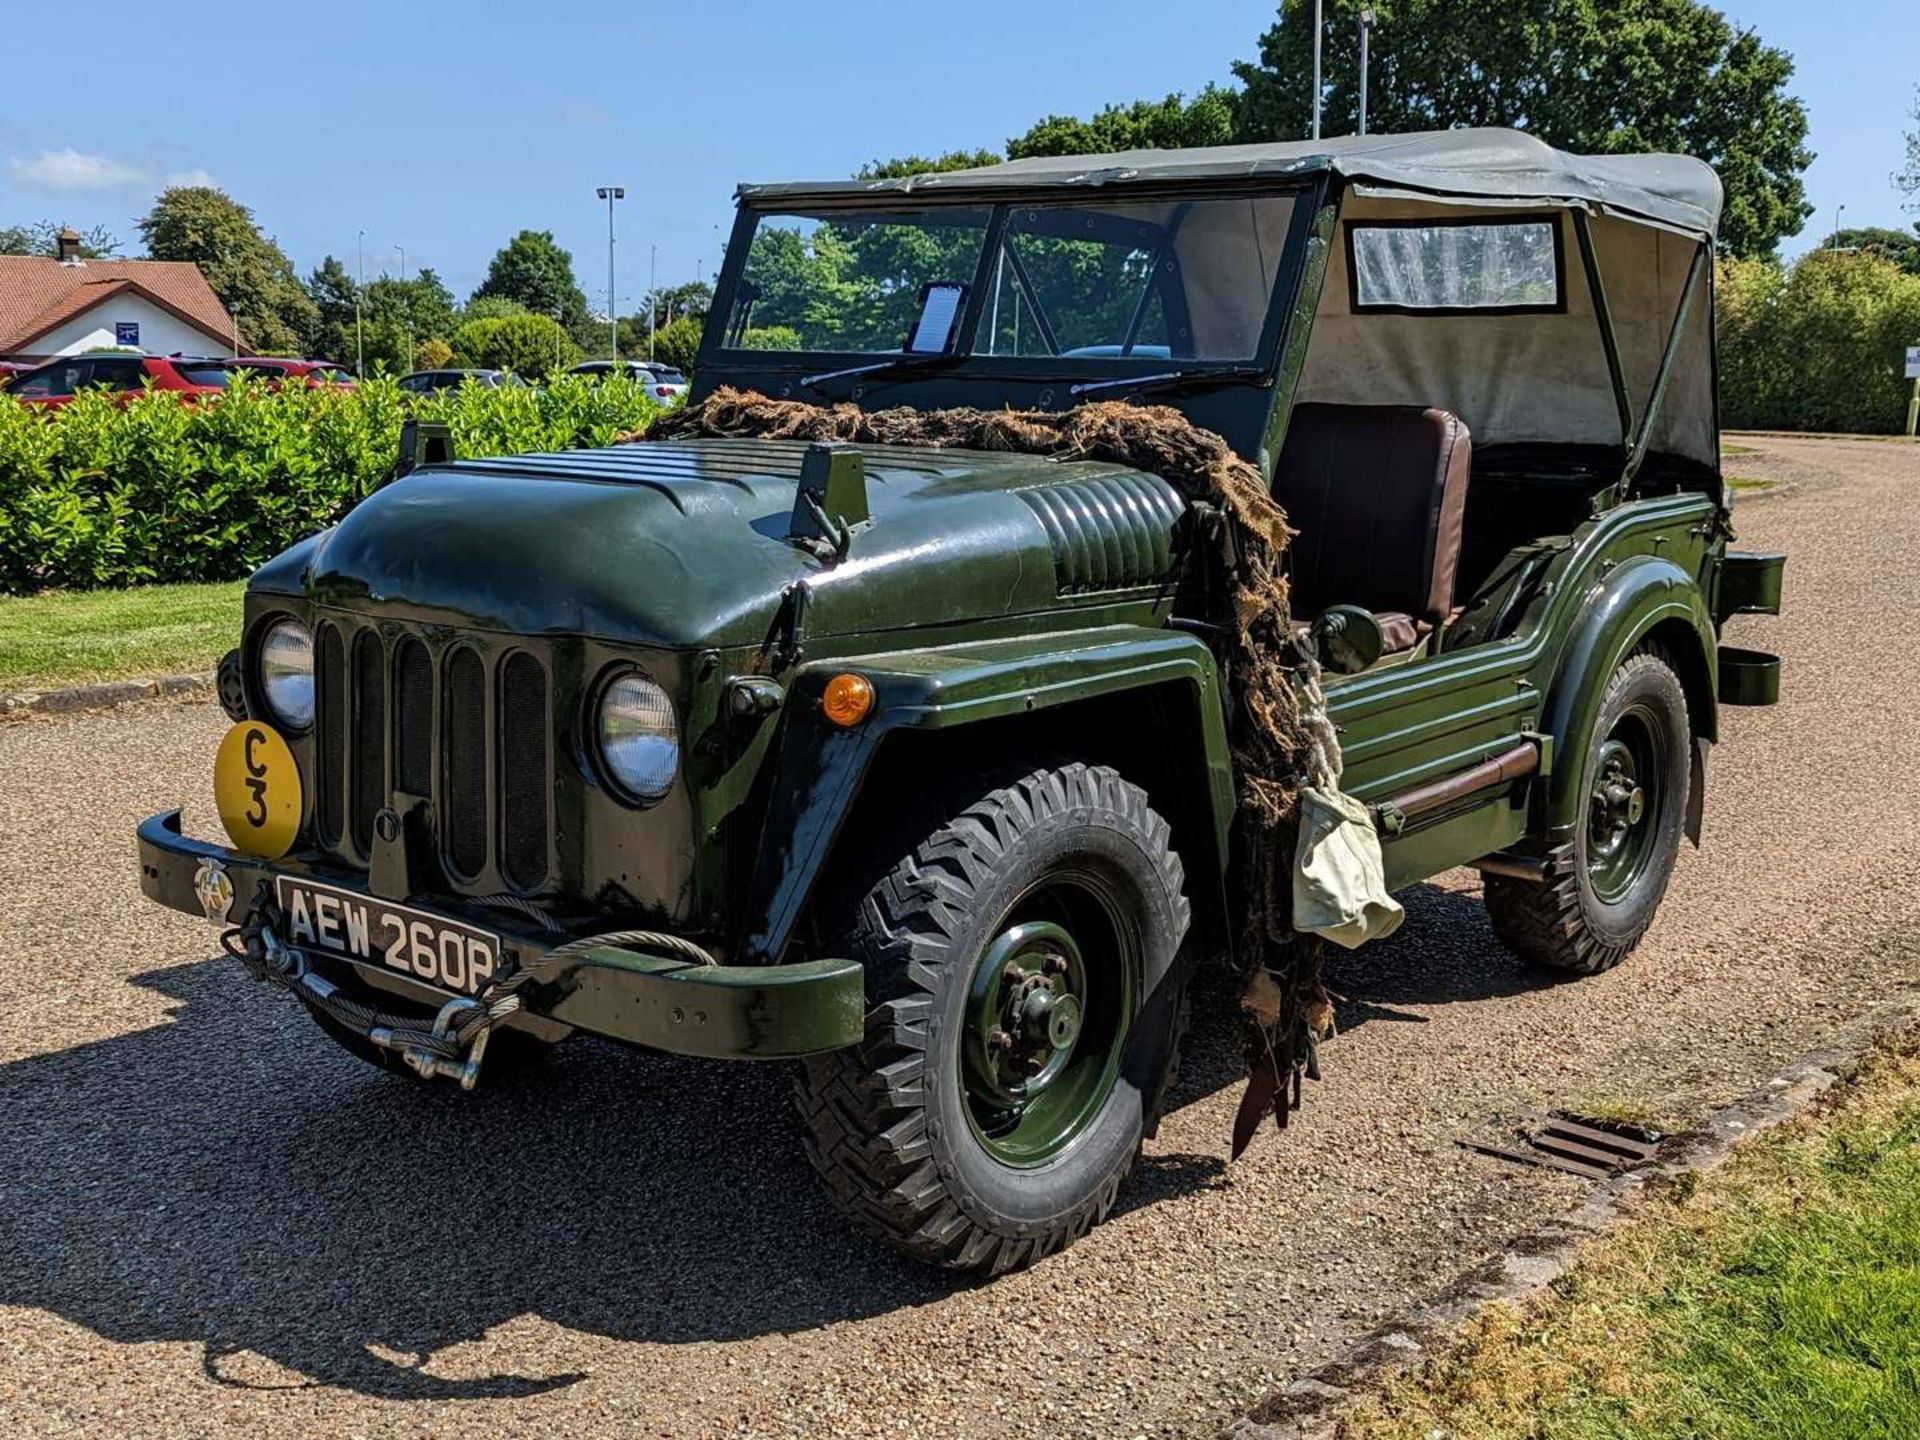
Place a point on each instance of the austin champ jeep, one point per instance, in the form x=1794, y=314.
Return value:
x=911, y=762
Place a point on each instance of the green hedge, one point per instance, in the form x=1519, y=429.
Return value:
x=1817, y=345
x=98, y=494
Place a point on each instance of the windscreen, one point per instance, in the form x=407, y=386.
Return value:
x=1187, y=280
x=841, y=283
x=1140, y=280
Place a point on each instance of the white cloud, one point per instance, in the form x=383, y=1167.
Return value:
x=190, y=177
x=71, y=170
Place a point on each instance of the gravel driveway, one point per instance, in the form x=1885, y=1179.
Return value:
x=213, y=1223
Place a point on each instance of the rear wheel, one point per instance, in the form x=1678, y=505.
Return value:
x=1608, y=883
x=1023, y=1019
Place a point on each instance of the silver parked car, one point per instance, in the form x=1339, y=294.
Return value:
x=663, y=381
x=422, y=382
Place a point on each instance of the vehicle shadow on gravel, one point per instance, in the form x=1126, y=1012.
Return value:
x=231, y=1179
x=1444, y=953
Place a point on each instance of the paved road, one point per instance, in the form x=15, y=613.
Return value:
x=213, y=1224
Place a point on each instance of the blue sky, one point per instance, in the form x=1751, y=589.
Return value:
x=445, y=125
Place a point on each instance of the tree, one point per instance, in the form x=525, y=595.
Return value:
x=531, y=344
x=1207, y=119
x=335, y=297
x=1907, y=178
x=534, y=271
x=1900, y=246
x=42, y=237
x=247, y=270
x=920, y=165
x=1598, y=76
x=491, y=307
x=675, y=344
x=691, y=297
x=1817, y=345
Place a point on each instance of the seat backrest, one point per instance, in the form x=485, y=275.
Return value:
x=1377, y=493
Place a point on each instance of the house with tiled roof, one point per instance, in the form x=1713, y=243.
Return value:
x=65, y=305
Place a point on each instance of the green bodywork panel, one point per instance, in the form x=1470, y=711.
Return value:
x=821, y=766
x=1637, y=567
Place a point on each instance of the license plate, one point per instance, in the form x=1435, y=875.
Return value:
x=412, y=942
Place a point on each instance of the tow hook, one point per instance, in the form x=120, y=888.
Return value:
x=427, y=1063
x=454, y=1048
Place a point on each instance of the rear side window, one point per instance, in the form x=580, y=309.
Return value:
x=117, y=374
x=208, y=374
x=61, y=379
x=1456, y=267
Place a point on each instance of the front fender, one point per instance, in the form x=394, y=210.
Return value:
x=1635, y=598
x=820, y=767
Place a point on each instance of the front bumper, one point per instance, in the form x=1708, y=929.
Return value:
x=739, y=1012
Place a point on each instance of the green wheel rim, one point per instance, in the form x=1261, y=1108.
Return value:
x=1625, y=803
x=1050, y=1001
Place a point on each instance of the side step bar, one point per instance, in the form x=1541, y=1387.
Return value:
x=1392, y=816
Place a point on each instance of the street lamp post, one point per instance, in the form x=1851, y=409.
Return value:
x=359, y=295
x=1316, y=69
x=406, y=307
x=653, y=296
x=611, y=193
x=1838, y=211
x=1366, y=24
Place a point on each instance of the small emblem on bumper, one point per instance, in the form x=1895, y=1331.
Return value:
x=215, y=888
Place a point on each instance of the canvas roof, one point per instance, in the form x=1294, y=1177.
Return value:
x=1486, y=164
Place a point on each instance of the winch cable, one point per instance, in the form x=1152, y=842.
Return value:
x=464, y=1020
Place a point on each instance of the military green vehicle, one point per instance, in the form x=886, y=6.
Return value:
x=911, y=763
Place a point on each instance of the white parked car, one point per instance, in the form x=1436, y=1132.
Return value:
x=663, y=381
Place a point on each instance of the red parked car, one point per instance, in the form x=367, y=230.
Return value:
x=55, y=383
x=279, y=367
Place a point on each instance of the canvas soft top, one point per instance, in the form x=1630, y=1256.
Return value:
x=1481, y=164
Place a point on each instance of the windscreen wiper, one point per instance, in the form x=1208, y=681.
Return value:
x=899, y=365
x=1173, y=380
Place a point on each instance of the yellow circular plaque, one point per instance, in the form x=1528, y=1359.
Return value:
x=257, y=787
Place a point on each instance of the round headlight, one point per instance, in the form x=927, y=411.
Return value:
x=639, y=741
x=286, y=673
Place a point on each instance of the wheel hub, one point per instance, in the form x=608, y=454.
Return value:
x=1026, y=1012
x=1625, y=805
x=1618, y=802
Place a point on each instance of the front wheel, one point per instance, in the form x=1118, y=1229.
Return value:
x=1024, y=1010
x=1610, y=880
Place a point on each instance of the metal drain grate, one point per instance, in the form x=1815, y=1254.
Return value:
x=1580, y=1147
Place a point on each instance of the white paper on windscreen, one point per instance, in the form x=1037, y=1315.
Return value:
x=937, y=314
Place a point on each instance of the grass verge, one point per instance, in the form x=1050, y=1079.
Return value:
x=79, y=637
x=1777, y=1297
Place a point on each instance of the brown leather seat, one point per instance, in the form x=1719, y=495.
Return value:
x=1377, y=493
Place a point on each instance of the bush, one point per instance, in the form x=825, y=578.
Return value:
x=1817, y=345
x=677, y=343
x=432, y=355
x=97, y=494
x=530, y=345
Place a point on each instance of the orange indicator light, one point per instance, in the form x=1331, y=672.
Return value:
x=848, y=699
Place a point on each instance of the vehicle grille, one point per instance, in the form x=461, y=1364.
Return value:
x=467, y=729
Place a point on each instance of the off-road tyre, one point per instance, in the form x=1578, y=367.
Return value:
x=889, y=1124
x=1567, y=923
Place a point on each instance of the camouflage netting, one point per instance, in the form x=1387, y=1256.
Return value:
x=1286, y=1007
